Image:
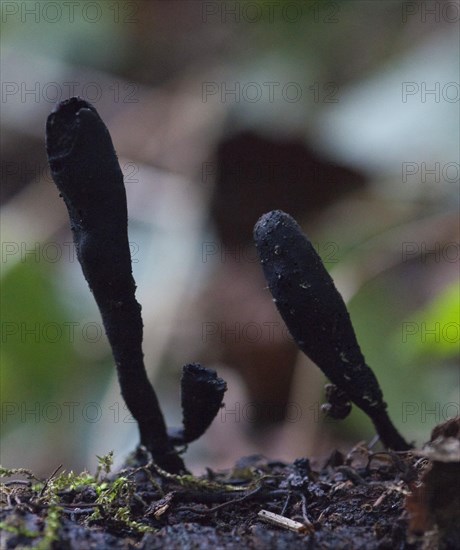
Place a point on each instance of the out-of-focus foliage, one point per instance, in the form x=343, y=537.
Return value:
x=432, y=332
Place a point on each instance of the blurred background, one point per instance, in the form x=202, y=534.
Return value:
x=344, y=114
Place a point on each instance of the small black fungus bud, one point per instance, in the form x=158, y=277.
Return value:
x=317, y=318
x=202, y=392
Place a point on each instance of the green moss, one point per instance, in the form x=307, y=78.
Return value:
x=113, y=500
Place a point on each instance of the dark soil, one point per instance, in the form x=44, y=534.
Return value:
x=355, y=501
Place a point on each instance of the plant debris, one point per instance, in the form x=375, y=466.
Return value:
x=354, y=501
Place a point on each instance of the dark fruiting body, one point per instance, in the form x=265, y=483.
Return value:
x=202, y=392
x=85, y=169
x=317, y=317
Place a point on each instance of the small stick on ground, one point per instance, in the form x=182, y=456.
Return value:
x=283, y=522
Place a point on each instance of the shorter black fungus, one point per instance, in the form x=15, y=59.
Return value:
x=317, y=318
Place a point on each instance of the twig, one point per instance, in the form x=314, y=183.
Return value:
x=306, y=519
x=48, y=480
x=380, y=499
x=223, y=505
x=286, y=504
x=283, y=522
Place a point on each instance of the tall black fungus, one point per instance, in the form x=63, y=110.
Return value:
x=85, y=169
x=317, y=317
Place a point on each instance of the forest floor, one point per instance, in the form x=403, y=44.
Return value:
x=361, y=500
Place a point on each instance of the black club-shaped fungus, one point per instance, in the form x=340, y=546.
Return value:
x=317, y=318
